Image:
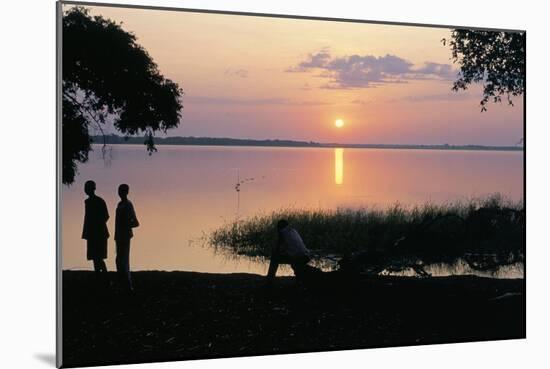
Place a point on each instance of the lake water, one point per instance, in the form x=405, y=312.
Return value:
x=181, y=193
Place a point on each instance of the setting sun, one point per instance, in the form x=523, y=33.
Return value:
x=339, y=123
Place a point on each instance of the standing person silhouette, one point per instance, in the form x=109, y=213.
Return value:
x=125, y=220
x=95, y=230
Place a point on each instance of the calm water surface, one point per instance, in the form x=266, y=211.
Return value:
x=181, y=193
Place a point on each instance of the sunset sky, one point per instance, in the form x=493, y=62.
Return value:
x=267, y=78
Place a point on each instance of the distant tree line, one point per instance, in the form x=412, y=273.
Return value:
x=113, y=139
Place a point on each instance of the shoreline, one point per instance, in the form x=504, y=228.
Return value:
x=289, y=273
x=275, y=144
x=190, y=315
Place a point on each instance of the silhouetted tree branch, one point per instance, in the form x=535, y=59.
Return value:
x=107, y=76
x=496, y=59
x=87, y=111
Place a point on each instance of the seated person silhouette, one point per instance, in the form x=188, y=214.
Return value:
x=290, y=249
x=95, y=230
x=125, y=220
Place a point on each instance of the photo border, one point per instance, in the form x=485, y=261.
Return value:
x=59, y=115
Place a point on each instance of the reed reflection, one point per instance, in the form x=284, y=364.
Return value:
x=339, y=166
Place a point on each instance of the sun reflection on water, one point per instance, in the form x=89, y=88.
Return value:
x=339, y=166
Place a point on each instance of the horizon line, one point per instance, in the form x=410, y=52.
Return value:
x=310, y=143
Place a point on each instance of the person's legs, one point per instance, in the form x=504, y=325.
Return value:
x=97, y=265
x=101, y=266
x=127, y=267
x=102, y=255
x=123, y=261
x=91, y=254
x=101, y=272
x=118, y=259
x=299, y=270
x=97, y=251
x=303, y=271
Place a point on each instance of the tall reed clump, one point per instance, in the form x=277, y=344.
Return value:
x=485, y=232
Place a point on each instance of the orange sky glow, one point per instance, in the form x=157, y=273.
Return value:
x=267, y=78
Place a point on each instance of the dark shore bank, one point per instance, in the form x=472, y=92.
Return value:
x=185, y=315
